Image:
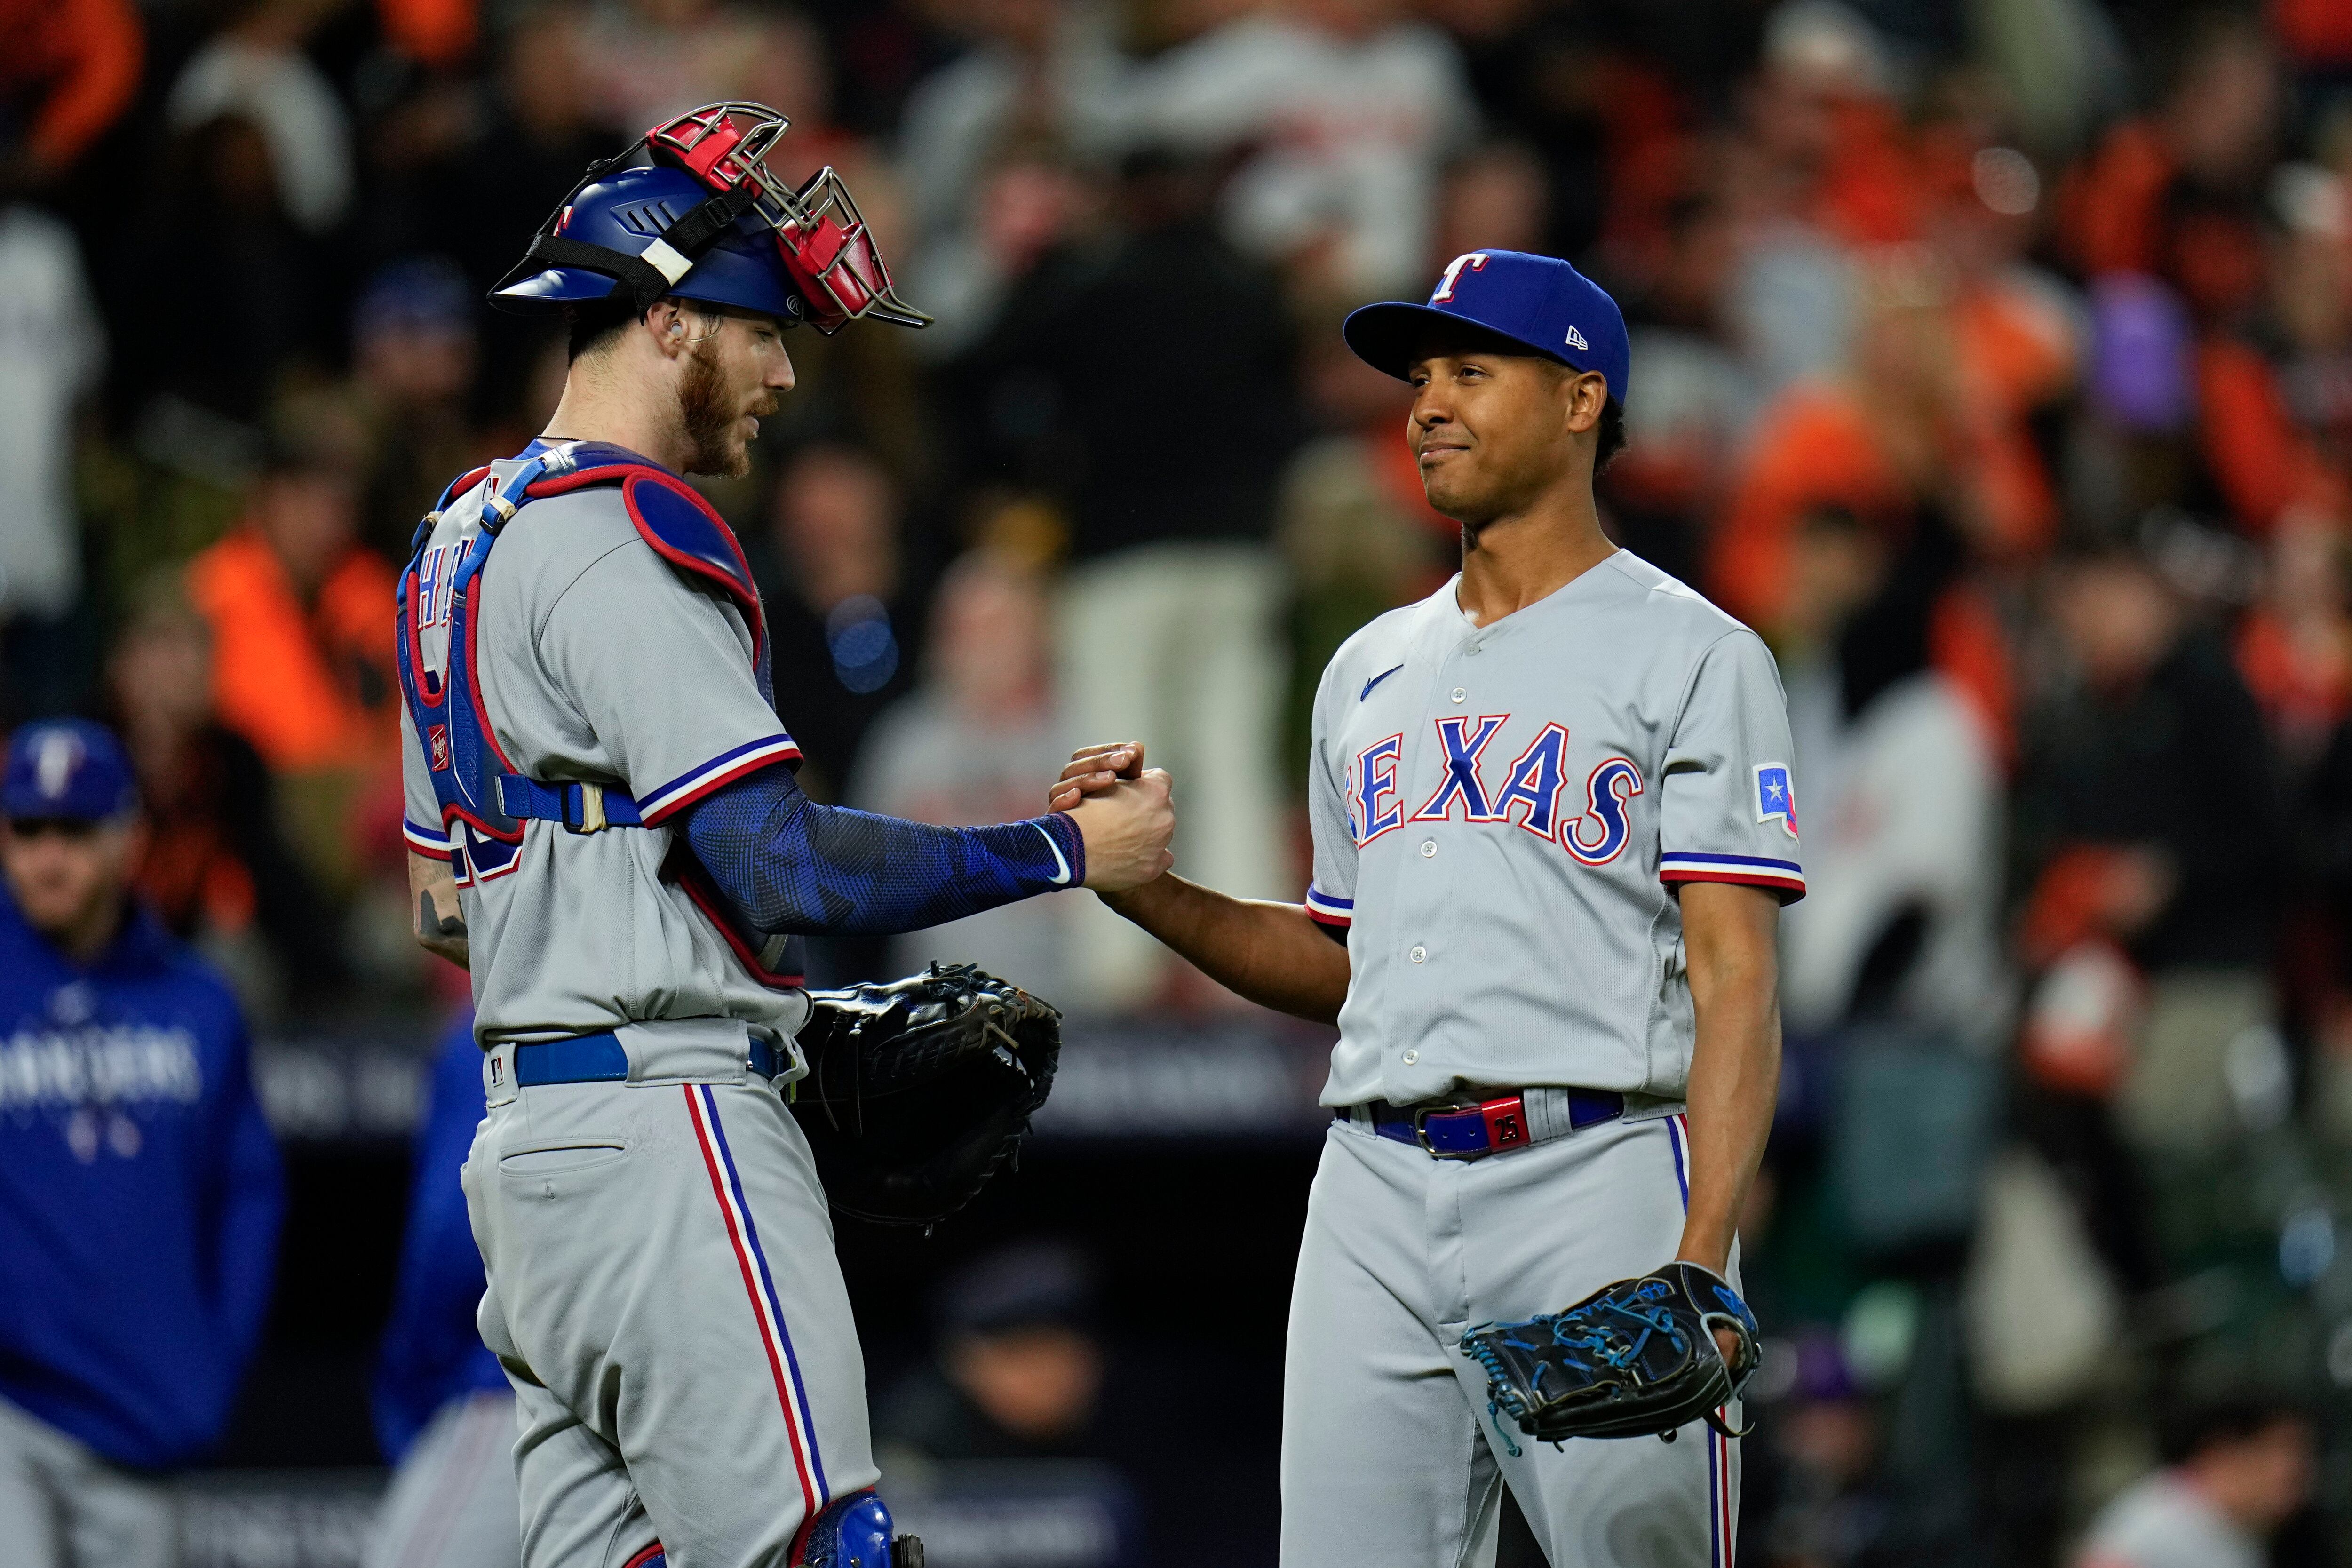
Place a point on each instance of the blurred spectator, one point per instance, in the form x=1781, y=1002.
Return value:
x=67, y=69
x=223, y=290
x=1019, y=1369
x=445, y=1414
x=52, y=344
x=301, y=665
x=254, y=70
x=1825, y=1448
x=2295, y=646
x=833, y=580
x=1899, y=436
x=2153, y=820
x=1039, y=71
x=217, y=869
x=1346, y=111
x=650, y=60
x=2241, y=1468
x=1166, y=452
x=1902, y=796
x=139, y=1191
x=970, y=745
x=412, y=365
x=536, y=133
x=1691, y=407
x=1356, y=531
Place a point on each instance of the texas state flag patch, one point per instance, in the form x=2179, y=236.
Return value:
x=1776, y=796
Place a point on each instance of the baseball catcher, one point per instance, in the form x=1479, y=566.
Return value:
x=605, y=827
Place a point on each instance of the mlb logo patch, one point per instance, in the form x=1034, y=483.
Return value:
x=437, y=739
x=1776, y=796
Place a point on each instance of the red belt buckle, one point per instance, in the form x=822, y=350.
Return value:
x=1506, y=1122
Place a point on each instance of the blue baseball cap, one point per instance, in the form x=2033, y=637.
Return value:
x=68, y=768
x=1538, y=303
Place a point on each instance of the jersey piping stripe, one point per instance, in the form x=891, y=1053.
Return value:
x=696, y=782
x=771, y=1324
x=425, y=841
x=1742, y=862
x=645, y=1559
x=1331, y=912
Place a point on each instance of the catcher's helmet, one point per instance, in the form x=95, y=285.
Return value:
x=692, y=210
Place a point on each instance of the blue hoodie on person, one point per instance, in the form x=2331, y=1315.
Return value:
x=139, y=1193
x=433, y=1353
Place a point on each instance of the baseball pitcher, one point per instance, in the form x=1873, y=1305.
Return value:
x=1554, y=822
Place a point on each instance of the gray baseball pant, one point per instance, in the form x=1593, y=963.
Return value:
x=664, y=1297
x=1390, y=1456
x=62, y=1506
x=452, y=1502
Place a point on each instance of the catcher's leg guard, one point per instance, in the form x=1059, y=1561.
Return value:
x=853, y=1532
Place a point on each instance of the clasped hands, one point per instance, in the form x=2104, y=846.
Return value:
x=1123, y=813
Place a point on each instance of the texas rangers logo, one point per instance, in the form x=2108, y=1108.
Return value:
x=1776, y=796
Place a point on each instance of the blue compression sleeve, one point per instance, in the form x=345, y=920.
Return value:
x=790, y=865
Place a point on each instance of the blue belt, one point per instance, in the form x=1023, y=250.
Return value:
x=600, y=1058
x=1491, y=1126
x=581, y=807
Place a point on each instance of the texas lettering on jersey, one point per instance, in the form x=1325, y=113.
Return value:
x=1591, y=825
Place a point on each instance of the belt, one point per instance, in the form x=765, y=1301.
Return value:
x=1491, y=1126
x=600, y=1058
x=581, y=807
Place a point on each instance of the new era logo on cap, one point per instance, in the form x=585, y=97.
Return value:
x=1576, y=340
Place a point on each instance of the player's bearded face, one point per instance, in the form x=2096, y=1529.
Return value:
x=723, y=393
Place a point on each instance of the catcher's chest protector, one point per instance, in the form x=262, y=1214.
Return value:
x=484, y=797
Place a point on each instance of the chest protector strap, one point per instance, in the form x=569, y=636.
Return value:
x=485, y=799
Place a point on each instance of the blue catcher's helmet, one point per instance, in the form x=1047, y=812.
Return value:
x=692, y=210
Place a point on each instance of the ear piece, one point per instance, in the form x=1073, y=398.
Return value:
x=677, y=329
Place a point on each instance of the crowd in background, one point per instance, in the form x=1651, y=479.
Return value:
x=1994, y=360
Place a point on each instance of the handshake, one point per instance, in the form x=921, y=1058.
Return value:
x=1123, y=813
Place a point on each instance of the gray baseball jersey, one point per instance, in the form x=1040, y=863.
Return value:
x=1498, y=812
x=597, y=661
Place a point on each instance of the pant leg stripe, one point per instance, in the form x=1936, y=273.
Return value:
x=1714, y=1504
x=775, y=1305
x=1678, y=1134
x=1726, y=1524
x=727, y=1213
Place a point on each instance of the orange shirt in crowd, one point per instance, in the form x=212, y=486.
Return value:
x=2261, y=459
x=312, y=688
x=2303, y=684
x=1813, y=449
x=80, y=58
x=1871, y=193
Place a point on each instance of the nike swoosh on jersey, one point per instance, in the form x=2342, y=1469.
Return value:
x=1061, y=877
x=1375, y=680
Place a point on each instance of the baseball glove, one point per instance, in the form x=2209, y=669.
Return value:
x=1635, y=1359
x=917, y=1091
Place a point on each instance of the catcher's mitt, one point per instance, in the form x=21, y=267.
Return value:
x=1635, y=1359
x=917, y=1091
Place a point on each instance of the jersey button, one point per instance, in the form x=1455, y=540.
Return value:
x=1418, y=954
x=1428, y=848
x=1459, y=694
x=1411, y=1057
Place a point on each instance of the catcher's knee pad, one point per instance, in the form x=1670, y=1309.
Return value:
x=853, y=1532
